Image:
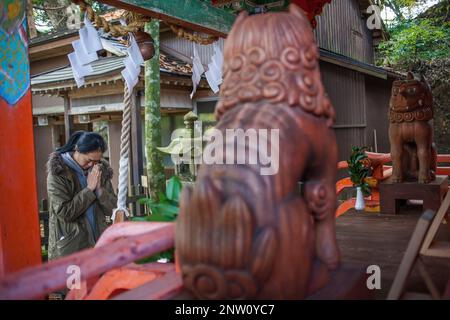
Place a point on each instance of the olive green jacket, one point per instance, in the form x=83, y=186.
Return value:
x=69, y=229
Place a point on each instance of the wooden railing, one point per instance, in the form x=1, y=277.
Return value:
x=109, y=267
x=120, y=245
x=381, y=171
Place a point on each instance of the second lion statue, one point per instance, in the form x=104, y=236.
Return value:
x=243, y=235
x=411, y=131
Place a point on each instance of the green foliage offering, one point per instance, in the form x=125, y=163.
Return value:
x=166, y=209
x=358, y=169
x=421, y=39
x=44, y=254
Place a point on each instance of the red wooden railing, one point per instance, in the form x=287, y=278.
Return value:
x=108, y=270
x=381, y=171
x=120, y=245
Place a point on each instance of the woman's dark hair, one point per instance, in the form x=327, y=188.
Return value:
x=84, y=142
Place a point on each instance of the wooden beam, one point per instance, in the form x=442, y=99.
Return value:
x=68, y=120
x=425, y=250
x=438, y=249
x=193, y=14
x=95, y=91
x=352, y=64
x=428, y=280
x=137, y=160
x=52, y=48
x=410, y=256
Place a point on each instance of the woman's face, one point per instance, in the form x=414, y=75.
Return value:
x=87, y=160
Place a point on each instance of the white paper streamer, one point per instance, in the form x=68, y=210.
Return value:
x=85, y=52
x=197, y=70
x=83, y=56
x=90, y=37
x=134, y=53
x=132, y=64
x=212, y=81
x=214, y=73
x=79, y=70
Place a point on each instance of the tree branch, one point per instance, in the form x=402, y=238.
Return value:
x=49, y=8
x=32, y=32
x=395, y=8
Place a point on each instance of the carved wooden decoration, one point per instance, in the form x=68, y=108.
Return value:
x=410, y=131
x=241, y=234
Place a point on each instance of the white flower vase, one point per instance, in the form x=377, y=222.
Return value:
x=359, y=205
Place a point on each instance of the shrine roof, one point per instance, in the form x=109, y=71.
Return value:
x=111, y=66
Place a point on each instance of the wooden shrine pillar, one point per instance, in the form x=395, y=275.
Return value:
x=68, y=120
x=20, y=243
x=137, y=168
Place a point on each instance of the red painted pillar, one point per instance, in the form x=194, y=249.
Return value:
x=19, y=222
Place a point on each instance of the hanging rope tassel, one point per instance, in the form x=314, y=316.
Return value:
x=121, y=211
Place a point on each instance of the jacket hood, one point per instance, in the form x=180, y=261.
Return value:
x=56, y=166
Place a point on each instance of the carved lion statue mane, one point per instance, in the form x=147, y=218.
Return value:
x=275, y=60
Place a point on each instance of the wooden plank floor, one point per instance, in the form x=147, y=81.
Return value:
x=378, y=239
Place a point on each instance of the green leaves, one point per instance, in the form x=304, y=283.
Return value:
x=173, y=189
x=166, y=209
x=365, y=188
x=44, y=254
x=357, y=169
x=155, y=217
x=413, y=40
x=168, y=255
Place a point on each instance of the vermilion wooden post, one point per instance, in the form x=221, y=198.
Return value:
x=19, y=222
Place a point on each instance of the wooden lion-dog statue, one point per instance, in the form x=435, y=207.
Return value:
x=243, y=235
x=410, y=131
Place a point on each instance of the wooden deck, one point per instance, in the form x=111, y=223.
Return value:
x=378, y=239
